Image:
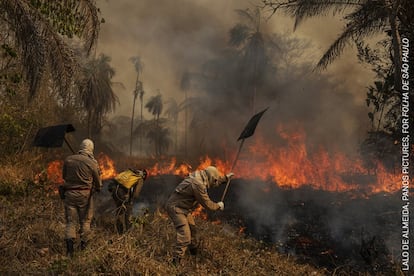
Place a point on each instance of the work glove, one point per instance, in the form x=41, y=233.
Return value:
x=221, y=205
x=229, y=175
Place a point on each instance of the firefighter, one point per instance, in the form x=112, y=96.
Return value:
x=185, y=198
x=81, y=176
x=125, y=188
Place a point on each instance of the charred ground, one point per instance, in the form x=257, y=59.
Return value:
x=264, y=230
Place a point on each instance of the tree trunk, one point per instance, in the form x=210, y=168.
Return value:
x=185, y=125
x=140, y=134
x=132, y=124
x=396, y=43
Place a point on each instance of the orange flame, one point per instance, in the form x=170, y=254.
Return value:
x=294, y=165
x=290, y=165
x=170, y=167
x=54, y=171
x=199, y=212
x=106, y=165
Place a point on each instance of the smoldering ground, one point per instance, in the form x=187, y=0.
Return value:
x=329, y=229
x=174, y=38
x=187, y=37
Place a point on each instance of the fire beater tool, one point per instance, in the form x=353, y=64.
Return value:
x=53, y=136
x=246, y=133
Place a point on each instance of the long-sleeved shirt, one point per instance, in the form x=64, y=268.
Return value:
x=191, y=191
x=81, y=172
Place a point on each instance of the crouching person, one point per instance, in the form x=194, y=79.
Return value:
x=81, y=176
x=185, y=198
x=125, y=188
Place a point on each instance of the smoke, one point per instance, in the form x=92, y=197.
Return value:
x=175, y=37
x=329, y=229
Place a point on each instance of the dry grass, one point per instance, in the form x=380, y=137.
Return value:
x=32, y=238
x=31, y=243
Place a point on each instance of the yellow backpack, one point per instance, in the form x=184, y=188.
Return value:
x=128, y=178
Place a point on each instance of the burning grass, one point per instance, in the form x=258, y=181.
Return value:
x=31, y=242
x=32, y=229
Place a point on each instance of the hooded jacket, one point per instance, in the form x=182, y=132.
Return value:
x=81, y=170
x=191, y=191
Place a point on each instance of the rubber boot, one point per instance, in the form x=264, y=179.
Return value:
x=193, y=247
x=176, y=261
x=83, y=244
x=69, y=247
x=119, y=226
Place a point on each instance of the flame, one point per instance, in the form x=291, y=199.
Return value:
x=106, y=165
x=199, y=212
x=294, y=165
x=242, y=229
x=291, y=164
x=170, y=167
x=54, y=171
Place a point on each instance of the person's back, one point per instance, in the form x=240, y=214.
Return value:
x=82, y=177
x=79, y=171
x=125, y=188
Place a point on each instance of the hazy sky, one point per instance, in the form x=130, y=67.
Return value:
x=172, y=36
x=175, y=36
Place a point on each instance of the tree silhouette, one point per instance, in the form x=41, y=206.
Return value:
x=160, y=136
x=364, y=19
x=96, y=92
x=249, y=38
x=37, y=28
x=185, y=86
x=138, y=91
x=172, y=112
x=155, y=107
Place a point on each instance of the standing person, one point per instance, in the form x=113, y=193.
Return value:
x=185, y=198
x=125, y=188
x=82, y=177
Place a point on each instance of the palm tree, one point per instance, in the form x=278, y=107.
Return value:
x=365, y=19
x=160, y=136
x=155, y=106
x=138, y=91
x=185, y=86
x=141, y=99
x=36, y=29
x=250, y=39
x=96, y=92
x=172, y=113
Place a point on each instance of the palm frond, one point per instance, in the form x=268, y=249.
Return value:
x=246, y=14
x=138, y=64
x=239, y=34
x=302, y=9
x=155, y=105
x=173, y=109
x=42, y=48
x=363, y=22
x=91, y=24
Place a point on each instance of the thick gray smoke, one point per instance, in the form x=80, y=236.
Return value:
x=183, y=36
x=177, y=37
